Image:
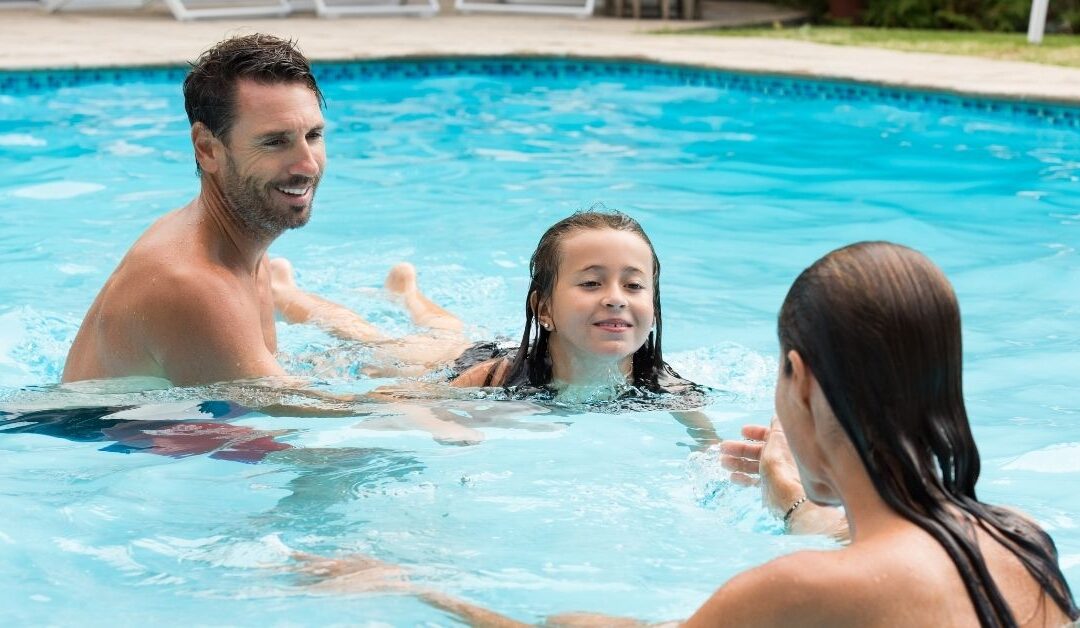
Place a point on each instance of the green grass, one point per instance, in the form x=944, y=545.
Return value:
x=1055, y=49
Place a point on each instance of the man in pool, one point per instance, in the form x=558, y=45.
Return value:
x=191, y=301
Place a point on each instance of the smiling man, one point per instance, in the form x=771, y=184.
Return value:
x=191, y=301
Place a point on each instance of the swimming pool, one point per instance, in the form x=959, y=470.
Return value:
x=458, y=166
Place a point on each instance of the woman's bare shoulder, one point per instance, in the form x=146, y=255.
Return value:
x=489, y=373
x=808, y=588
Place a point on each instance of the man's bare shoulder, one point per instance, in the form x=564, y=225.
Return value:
x=137, y=307
x=168, y=254
x=203, y=325
x=196, y=296
x=171, y=264
x=178, y=293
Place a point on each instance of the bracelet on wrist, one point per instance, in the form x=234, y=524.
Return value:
x=792, y=509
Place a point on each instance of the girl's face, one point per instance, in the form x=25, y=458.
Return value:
x=601, y=308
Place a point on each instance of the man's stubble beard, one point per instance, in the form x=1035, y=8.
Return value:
x=250, y=202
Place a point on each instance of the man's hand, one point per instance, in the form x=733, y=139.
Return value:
x=353, y=574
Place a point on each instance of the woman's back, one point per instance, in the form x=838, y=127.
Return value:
x=910, y=580
x=898, y=577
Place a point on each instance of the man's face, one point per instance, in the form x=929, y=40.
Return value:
x=274, y=157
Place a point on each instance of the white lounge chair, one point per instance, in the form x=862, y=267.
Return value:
x=339, y=8
x=579, y=8
x=190, y=9
x=185, y=10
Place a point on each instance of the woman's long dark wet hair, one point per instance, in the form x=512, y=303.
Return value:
x=879, y=327
x=532, y=364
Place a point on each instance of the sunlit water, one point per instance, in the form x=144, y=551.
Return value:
x=555, y=510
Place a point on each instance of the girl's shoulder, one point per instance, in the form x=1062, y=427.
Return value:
x=482, y=364
x=488, y=373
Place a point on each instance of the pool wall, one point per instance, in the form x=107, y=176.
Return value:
x=1051, y=114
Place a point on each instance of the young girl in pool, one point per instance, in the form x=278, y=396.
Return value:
x=869, y=397
x=592, y=318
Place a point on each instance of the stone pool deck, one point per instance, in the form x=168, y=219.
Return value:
x=150, y=36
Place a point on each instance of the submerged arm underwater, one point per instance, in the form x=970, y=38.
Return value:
x=363, y=574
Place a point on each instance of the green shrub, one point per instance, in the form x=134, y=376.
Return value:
x=992, y=15
x=985, y=15
x=905, y=13
x=815, y=8
x=958, y=21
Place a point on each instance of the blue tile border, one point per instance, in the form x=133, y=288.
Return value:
x=28, y=81
x=555, y=68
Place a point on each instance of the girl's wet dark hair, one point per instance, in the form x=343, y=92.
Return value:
x=878, y=325
x=532, y=364
x=210, y=86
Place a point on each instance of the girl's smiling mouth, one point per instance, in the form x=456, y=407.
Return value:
x=615, y=325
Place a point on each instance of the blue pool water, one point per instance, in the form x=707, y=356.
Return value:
x=458, y=166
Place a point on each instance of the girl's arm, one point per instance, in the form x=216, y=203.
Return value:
x=699, y=427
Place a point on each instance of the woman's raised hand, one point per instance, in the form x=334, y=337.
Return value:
x=764, y=459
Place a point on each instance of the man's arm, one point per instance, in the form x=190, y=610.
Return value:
x=206, y=329
x=363, y=574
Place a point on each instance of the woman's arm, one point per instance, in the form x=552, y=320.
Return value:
x=767, y=461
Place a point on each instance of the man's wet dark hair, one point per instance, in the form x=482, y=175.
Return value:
x=878, y=325
x=210, y=86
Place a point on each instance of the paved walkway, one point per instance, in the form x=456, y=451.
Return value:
x=32, y=39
